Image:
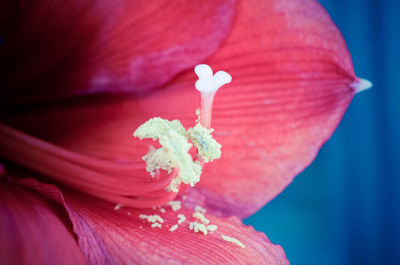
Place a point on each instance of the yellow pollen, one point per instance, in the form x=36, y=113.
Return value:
x=198, y=227
x=156, y=225
x=212, y=228
x=201, y=218
x=182, y=218
x=207, y=147
x=198, y=115
x=200, y=209
x=173, y=228
x=232, y=240
x=175, y=205
x=151, y=218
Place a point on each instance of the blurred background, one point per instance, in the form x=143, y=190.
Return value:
x=345, y=208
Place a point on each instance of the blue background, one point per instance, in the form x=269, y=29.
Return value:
x=345, y=208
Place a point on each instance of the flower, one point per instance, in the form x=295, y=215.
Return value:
x=77, y=79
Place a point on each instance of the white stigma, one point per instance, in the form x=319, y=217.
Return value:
x=209, y=83
x=360, y=85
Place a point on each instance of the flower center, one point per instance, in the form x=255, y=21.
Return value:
x=175, y=141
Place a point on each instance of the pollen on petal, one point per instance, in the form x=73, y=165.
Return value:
x=233, y=240
x=201, y=218
x=181, y=219
x=175, y=205
x=200, y=209
x=212, y=228
x=156, y=225
x=173, y=228
x=198, y=227
x=151, y=218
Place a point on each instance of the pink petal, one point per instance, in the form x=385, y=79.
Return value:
x=290, y=90
x=126, y=183
x=108, y=236
x=34, y=230
x=291, y=73
x=59, y=49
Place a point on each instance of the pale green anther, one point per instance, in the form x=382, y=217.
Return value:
x=156, y=127
x=177, y=147
x=174, y=152
x=157, y=159
x=201, y=137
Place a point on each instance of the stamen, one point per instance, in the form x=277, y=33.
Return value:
x=360, y=85
x=207, y=147
x=198, y=227
x=174, y=139
x=208, y=85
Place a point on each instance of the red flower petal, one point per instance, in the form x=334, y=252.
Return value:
x=291, y=72
x=58, y=49
x=108, y=236
x=118, y=182
x=33, y=230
